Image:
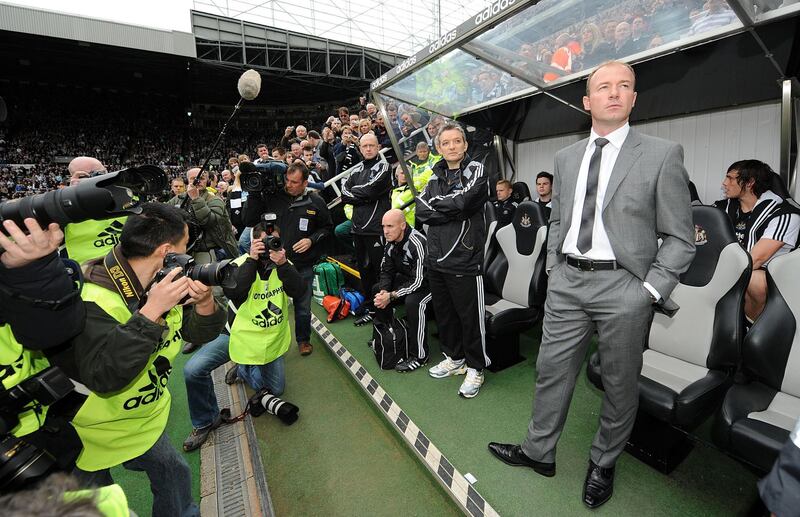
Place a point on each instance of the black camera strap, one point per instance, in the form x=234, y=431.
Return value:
x=126, y=283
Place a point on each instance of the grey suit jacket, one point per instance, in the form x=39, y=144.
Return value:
x=647, y=198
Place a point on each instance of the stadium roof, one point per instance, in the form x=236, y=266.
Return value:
x=394, y=26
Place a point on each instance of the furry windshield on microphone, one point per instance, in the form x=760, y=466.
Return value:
x=249, y=85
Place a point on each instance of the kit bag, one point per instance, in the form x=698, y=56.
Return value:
x=389, y=342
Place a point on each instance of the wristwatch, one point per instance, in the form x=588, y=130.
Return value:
x=392, y=296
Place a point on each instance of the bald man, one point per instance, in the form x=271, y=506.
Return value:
x=90, y=239
x=367, y=189
x=402, y=280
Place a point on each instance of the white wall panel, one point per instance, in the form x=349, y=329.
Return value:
x=711, y=142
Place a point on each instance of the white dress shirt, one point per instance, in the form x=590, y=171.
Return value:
x=601, y=247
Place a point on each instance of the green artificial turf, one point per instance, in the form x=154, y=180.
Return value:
x=706, y=483
x=340, y=457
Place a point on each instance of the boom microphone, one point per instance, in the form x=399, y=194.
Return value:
x=249, y=85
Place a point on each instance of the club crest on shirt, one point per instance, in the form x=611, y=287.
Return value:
x=700, y=236
x=525, y=221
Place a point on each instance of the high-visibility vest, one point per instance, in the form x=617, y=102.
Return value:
x=17, y=364
x=110, y=500
x=260, y=332
x=400, y=196
x=119, y=426
x=92, y=239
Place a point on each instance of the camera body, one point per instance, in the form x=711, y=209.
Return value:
x=269, y=177
x=271, y=242
x=220, y=273
x=21, y=462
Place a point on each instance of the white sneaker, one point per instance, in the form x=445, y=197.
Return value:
x=447, y=368
x=472, y=384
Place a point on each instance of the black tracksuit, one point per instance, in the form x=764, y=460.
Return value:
x=367, y=189
x=402, y=272
x=452, y=204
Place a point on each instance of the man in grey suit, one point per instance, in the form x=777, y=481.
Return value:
x=614, y=195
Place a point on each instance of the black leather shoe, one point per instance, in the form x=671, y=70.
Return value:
x=511, y=454
x=599, y=485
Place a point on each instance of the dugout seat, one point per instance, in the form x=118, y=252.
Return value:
x=691, y=358
x=490, y=248
x=515, y=284
x=520, y=192
x=758, y=414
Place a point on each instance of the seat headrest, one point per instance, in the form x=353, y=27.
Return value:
x=490, y=213
x=712, y=233
x=693, y=195
x=778, y=186
x=528, y=218
x=520, y=192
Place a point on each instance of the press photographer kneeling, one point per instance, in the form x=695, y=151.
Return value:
x=135, y=326
x=256, y=336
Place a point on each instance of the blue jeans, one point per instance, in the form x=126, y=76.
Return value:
x=169, y=474
x=244, y=239
x=203, y=406
x=302, y=306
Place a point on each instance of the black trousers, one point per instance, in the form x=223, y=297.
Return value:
x=369, y=253
x=460, y=312
x=416, y=304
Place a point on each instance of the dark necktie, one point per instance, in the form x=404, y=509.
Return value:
x=590, y=200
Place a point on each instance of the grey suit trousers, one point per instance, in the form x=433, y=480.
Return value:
x=617, y=305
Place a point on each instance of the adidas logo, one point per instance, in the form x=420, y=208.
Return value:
x=109, y=236
x=152, y=392
x=269, y=317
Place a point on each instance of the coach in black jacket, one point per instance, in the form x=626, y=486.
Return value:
x=452, y=206
x=367, y=189
x=403, y=280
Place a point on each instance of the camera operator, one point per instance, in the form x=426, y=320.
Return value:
x=211, y=215
x=123, y=356
x=367, y=189
x=30, y=271
x=256, y=337
x=94, y=238
x=306, y=224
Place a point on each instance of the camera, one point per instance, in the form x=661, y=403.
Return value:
x=220, y=273
x=265, y=401
x=97, y=196
x=269, y=222
x=20, y=461
x=266, y=177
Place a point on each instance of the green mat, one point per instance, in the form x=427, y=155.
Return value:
x=707, y=483
x=135, y=484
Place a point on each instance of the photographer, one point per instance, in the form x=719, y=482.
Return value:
x=29, y=331
x=93, y=238
x=211, y=216
x=256, y=336
x=306, y=224
x=123, y=357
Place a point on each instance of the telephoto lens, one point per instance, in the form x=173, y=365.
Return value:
x=220, y=273
x=265, y=402
x=99, y=197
